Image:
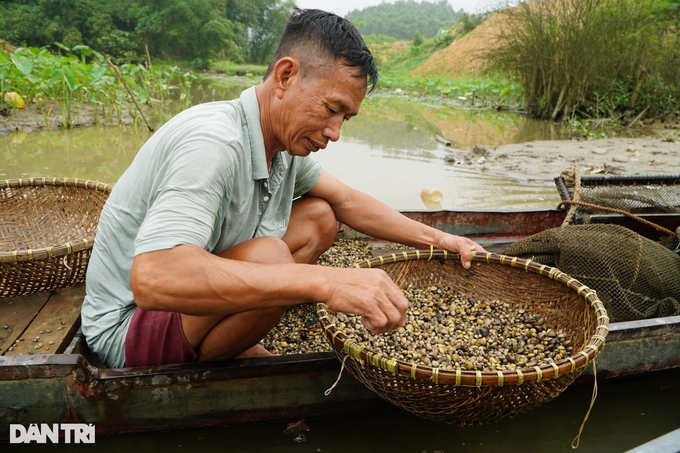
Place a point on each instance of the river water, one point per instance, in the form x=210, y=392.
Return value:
x=626, y=413
x=390, y=152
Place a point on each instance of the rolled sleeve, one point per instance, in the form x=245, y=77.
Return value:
x=307, y=175
x=187, y=201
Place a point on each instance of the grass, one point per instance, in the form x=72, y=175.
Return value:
x=231, y=68
x=399, y=58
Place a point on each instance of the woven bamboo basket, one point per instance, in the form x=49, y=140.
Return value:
x=476, y=397
x=47, y=230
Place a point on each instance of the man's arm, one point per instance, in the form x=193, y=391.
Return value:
x=189, y=280
x=372, y=217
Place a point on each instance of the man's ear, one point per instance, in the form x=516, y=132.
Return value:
x=285, y=72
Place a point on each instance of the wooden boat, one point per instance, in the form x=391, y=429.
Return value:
x=51, y=377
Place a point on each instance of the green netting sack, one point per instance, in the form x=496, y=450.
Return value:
x=629, y=193
x=635, y=277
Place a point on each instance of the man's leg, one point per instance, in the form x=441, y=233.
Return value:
x=311, y=231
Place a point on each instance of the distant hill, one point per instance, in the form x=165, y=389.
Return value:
x=465, y=56
x=402, y=19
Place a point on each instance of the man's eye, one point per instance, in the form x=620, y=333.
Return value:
x=331, y=111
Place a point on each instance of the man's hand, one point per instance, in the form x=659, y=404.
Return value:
x=462, y=245
x=371, y=293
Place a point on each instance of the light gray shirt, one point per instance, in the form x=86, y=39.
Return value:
x=201, y=179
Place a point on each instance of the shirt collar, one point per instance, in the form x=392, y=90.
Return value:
x=251, y=109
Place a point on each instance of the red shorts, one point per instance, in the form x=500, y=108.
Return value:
x=157, y=338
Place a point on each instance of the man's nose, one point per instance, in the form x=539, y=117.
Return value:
x=332, y=130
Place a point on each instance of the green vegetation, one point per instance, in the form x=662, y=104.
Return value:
x=418, y=39
x=396, y=66
x=594, y=58
x=588, y=62
x=481, y=93
x=231, y=68
x=65, y=67
x=197, y=31
x=405, y=17
x=65, y=83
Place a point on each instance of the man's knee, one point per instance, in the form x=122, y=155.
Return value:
x=320, y=214
x=263, y=250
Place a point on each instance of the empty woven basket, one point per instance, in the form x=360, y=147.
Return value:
x=476, y=397
x=47, y=229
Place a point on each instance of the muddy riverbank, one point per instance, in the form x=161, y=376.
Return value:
x=656, y=153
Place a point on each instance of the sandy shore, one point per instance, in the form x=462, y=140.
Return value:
x=542, y=160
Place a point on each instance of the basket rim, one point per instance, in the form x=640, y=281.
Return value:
x=58, y=250
x=460, y=378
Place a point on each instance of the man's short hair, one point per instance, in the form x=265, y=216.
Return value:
x=315, y=33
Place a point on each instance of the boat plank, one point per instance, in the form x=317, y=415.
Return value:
x=494, y=225
x=55, y=324
x=17, y=313
x=668, y=443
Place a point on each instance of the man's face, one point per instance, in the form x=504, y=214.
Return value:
x=317, y=105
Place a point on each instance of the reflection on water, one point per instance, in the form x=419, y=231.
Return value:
x=388, y=151
x=97, y=153
x=394, y=119
x=398, y=176
x=625, y=414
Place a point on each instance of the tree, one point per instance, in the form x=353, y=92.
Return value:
x=196, y=29
x=40, y=23
x=418, y=39
x=403, y=18
x=261, y=23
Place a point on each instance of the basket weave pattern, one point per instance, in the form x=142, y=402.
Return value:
x=47, y=231
x=476, y=397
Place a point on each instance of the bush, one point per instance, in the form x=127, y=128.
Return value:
x=200, y=64
x=122, y=47
x=418, y=39
x=591, y=57
x=444, y=38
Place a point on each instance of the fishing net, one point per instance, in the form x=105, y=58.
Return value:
x=647, y=204
x=635, y=277
x=609, y=193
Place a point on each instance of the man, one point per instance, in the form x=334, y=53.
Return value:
x=213, y=230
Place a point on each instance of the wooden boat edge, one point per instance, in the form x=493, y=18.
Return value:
x=119, y=400
x=280, y=388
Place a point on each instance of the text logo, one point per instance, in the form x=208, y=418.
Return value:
x=76, y=433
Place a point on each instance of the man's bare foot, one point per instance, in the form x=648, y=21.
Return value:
x=256, y=351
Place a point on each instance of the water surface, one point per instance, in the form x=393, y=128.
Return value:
x=389, y=151
x=626, y=413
